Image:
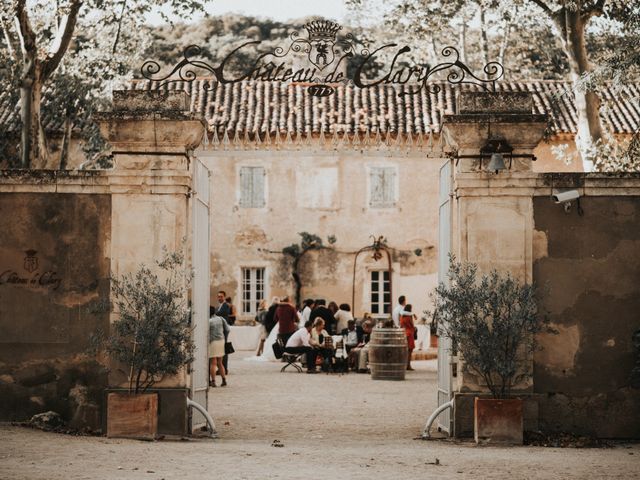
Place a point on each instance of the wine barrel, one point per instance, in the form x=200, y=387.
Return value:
x=388, y=354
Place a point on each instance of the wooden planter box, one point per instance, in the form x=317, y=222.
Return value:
x=131, y=415
x=498, y=421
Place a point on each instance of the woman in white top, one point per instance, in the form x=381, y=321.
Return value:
x=342, y=316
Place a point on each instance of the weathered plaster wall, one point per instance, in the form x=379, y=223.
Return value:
x=54, y=271
x=324, y=193
x=591, y=267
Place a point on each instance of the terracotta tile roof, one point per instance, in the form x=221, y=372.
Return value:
x=268, y=106
x=250, y=106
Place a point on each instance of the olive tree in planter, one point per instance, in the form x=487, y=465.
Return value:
x=151, y=337
x=493, y=322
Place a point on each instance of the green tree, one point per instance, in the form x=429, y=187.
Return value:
x=152, y=336
x=575, y=27
x=90, y=40
x=493, y=322
x=297, y=251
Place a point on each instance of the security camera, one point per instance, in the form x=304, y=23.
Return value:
x=565, y=196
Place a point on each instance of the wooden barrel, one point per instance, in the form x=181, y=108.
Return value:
x=388, y=354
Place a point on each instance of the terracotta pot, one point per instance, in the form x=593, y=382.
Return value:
x=433, y=341
x=131, y=415
x=498, y=421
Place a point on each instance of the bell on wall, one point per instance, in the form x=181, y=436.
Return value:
x=496, y=163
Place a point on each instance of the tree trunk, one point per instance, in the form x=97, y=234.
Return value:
x=66, y=140
x=33, y=144
x=462, y=40
x=484, y=43
x=590, y=130
x=506, y=27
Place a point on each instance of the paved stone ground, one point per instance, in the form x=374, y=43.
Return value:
x=331, y=426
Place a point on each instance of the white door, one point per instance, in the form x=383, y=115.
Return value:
x=200, y=290
x=444, y=248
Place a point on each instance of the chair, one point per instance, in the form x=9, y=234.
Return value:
x=291, y=359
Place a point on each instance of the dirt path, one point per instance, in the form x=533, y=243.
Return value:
x=346, y=427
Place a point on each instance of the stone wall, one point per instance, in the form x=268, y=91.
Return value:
x=590, y=268
x=54, y=289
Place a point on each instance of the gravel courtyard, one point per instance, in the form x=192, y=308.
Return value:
x=292, y=426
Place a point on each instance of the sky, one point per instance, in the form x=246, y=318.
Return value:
x=281, y=10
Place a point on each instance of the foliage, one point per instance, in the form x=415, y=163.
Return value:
x=308, y=241
x=73, y=51
x=567, y=37
x=152, y=334
x=493, y=322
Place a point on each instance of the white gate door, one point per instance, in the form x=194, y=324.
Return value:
x=444, y=248
x=200, y=290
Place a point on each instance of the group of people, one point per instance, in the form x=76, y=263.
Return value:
x=310, y=331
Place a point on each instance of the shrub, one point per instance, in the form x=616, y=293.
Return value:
x=492, y=322
x=152, y=334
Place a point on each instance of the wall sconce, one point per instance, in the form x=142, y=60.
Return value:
x=495, y=151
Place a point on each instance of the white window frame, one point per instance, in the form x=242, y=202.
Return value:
x=254, y=299
x=251, y=200
x=380, y=292
x=389, y=169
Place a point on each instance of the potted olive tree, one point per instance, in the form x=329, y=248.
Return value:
x=493, y=322
x=151, y=339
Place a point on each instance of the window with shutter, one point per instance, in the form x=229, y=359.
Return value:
x=382, y=187
x=252, y=181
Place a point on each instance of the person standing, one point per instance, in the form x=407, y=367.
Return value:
x=270, y=317
x=218, y=331
x=261, y=318
x=231, y=319
x=306, y=311
x=343, y=316
x=286, y=317
x=224, y=311
x=397, y=311
x=325, y=314
x=406, y=322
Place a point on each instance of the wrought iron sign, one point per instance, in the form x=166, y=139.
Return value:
x=327, y=55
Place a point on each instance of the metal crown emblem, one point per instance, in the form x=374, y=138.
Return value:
x=322, y=30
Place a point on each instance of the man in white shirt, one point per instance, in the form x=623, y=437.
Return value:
x=398, y=310
x=299, y=343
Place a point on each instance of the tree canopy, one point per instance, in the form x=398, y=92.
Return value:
x=64, y=57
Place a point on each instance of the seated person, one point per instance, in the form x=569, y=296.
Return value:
x=354, y=335
x=299, y=343
x=359, y=355
x=318, y=342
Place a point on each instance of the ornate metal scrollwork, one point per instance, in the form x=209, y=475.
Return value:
x=325, y=53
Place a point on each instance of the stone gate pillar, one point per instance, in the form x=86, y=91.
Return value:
x=152, y=135
x=492, y=224
x=493, y=219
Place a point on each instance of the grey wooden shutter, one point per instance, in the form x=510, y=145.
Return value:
x=246, y=186
x=258, y=187
x=388, y=186
x=383, y=183
x=252, y=187
x=376, y=180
